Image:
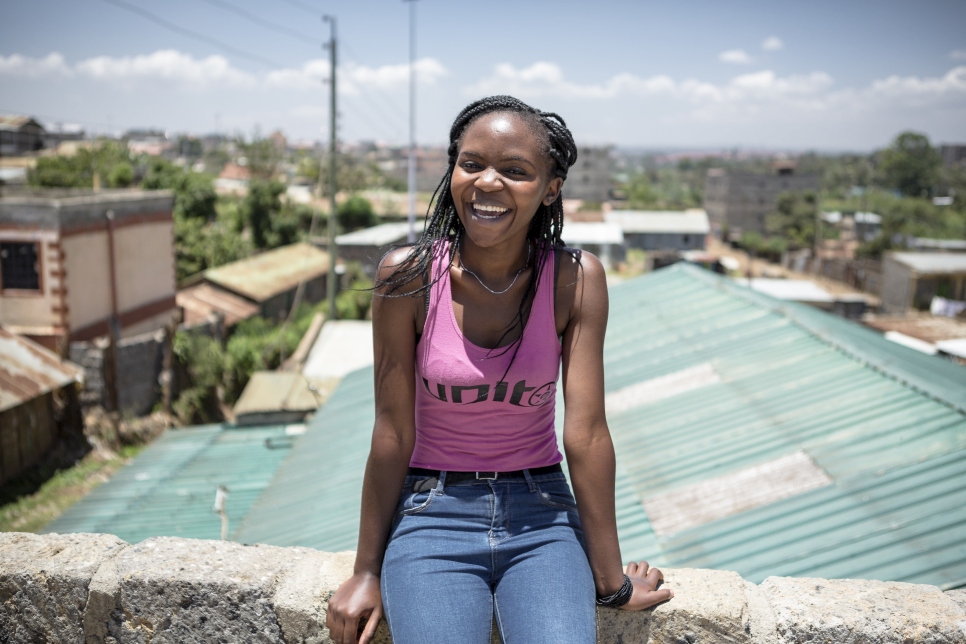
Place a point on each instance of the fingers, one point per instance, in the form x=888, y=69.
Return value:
x=370, y=630
x=639, y=570
x=350, y=630
x=646, y=581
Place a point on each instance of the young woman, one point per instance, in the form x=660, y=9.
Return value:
x=471, y=326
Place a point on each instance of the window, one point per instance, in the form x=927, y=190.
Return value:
x=19, y=267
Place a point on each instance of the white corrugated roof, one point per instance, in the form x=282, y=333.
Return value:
x=933, y=262
x=381, y=235
x=694, y=222
x=342, y=347
x=592, y=232
x=955, y=347
x=795, y=290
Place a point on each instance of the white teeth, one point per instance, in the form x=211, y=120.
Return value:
x=496, y=209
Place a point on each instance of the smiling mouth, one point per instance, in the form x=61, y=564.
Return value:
x=488, y=212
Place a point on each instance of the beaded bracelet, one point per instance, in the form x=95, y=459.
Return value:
x=621, y=597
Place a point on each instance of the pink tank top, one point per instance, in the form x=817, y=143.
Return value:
x=468, y=416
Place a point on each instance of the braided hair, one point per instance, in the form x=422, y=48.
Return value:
x=443, y=223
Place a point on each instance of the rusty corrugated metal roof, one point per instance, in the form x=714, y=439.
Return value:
x=201, y=300
x=28, y=370
x=273, y=391
x=263, y=276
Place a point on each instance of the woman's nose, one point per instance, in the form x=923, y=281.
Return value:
x=489, y=179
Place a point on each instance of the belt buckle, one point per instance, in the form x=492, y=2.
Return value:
x=494, y=476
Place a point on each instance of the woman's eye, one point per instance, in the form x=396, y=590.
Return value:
x=470, y=165
x=516, y=171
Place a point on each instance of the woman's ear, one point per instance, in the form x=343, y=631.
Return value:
x=553, y=191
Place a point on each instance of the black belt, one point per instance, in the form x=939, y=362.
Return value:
x=457, y=477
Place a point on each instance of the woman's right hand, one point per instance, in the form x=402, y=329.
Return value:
x=357, y=598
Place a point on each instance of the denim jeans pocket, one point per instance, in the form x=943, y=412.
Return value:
x=415, y=502
x=556, y=494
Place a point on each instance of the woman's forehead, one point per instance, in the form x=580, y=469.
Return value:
x=504, y=129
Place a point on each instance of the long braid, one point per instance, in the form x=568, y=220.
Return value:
x=443, y=222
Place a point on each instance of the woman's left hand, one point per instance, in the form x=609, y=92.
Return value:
x=645, y=581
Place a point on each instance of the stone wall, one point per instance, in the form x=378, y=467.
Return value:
x=138, y=363
x=95, y=588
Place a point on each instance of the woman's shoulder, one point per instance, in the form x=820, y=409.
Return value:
x=400, y=271
x=575, y=265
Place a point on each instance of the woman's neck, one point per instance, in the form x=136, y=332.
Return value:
x=497, y=263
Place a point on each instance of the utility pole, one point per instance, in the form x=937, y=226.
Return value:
x=330, y=284
x=412, y=121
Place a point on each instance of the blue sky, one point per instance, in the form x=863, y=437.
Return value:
x=755, y=74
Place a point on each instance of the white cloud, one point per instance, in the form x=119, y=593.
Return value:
x=735, y=56
x=17, y=65
x=916, y=91
x=353, y=78
x=772, y=43
x=428, y=71
x=310, y=75
x=547, y=79
x=167, y=65
x=958, y=54
x=761, y=96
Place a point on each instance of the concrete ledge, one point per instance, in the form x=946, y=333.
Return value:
x=90, y=588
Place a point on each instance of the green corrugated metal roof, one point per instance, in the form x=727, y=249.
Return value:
x=169, y=489
x=315, y=498
x=887, y=424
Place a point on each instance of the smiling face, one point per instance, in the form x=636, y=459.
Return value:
x=501, y=178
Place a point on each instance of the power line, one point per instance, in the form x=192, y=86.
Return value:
x=190, y=33
x=282, y=29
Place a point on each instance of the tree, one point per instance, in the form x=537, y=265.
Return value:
x=910, y=165
x=194, y=193
x=261, y=206
x=794, y=219
x=356, y=212
x=77, y=170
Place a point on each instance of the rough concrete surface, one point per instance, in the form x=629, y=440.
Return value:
x=708, y=606
x=96, y=589
x=180, y=590
x=858, y=611
x=44, y=583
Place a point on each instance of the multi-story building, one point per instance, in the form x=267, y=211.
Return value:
x=739, y=202
x=20, y=135
x=953, y=154
x=71, y=261
x=591, y=177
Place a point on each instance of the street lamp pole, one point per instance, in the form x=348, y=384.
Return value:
x=330, y=284
x=411, y=176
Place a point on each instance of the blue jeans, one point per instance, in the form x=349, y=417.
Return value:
x=462, y=557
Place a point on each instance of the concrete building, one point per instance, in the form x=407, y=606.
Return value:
x=20, y=135
x=662, y=230
x=591, y=177
x=912, y=280
x=367, y=246
x=270, y=279
x=38, y=403
x=739, y=203
x=603, y=239
x=954, y=154
x=71, y=260
x=431, y=164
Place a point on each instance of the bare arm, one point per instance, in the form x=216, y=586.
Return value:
x=393, y=437
x=587, y=441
